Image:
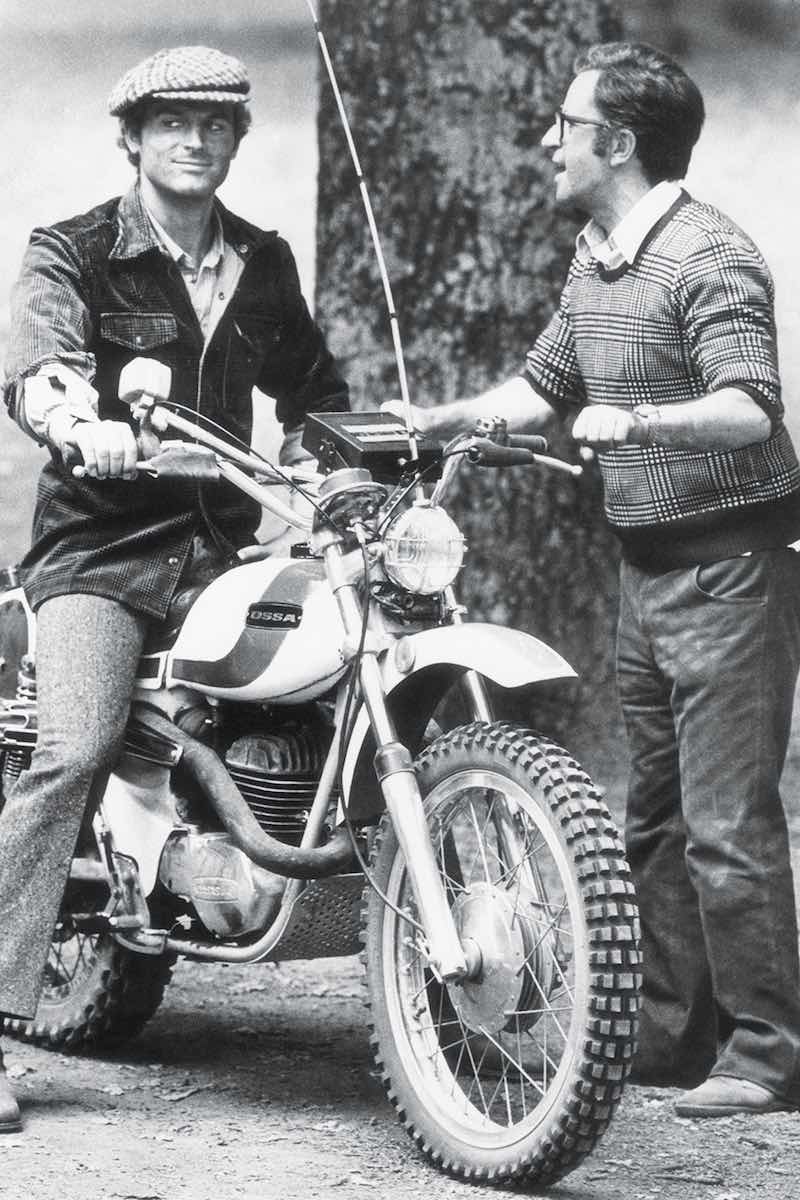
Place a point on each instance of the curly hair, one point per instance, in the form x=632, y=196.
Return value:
x=644, y=90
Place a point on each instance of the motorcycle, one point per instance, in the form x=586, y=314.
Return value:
x=314, y=767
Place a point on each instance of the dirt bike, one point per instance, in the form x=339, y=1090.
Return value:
x=292, y=787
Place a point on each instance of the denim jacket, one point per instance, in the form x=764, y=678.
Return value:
x=97, y=291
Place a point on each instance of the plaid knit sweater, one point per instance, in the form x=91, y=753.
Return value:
x=693, y=314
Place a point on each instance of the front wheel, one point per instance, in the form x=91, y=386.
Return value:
x=517, y=1072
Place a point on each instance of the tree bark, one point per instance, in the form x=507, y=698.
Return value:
x=448, y=102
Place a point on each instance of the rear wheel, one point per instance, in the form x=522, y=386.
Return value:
x=517, y=1072
x=96, y=994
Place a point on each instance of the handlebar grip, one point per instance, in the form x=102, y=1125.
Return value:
x=528, y=441
x=484, y=453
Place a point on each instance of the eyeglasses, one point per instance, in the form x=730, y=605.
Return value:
x=562, y=120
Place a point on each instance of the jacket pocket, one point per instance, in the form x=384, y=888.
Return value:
x=259, y=335
x=740, y=580
x=138, y=331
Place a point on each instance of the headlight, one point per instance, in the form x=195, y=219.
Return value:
x=423, y=550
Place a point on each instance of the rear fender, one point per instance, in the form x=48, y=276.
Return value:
x=417, y=672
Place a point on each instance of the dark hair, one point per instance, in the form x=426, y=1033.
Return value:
x=646, y=91
x=131, y=122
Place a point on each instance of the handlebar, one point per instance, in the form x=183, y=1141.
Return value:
x=205, y=456
x=484, y=453
x=528, y=441
x=519, y=449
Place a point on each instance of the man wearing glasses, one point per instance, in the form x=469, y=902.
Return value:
x=662, y=356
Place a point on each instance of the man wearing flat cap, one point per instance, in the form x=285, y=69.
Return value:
x=165, y=272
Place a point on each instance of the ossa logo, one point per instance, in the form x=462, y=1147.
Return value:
x=274, y=616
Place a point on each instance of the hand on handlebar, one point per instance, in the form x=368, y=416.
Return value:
x=108, y=449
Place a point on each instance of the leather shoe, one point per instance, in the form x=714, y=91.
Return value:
x=725, y=1096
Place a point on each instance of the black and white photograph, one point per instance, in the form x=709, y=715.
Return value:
x=400, y=600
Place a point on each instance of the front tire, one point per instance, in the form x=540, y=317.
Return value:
x=516, y=1073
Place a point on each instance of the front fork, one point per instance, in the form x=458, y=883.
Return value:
x=473, y=684
x=395, y=770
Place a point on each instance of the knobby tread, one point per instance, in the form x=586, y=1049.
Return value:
x=611, y=915
x=118, y=999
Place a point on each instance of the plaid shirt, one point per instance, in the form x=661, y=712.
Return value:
x=98, y=291
x=692, y=315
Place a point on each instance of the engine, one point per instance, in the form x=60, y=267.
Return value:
x=277, y=773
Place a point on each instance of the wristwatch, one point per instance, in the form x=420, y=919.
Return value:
x=651, y=415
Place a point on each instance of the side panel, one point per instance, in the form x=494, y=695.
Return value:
x=138, y=807
x=17, y=637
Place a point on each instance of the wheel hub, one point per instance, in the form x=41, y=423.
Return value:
x=486, y=915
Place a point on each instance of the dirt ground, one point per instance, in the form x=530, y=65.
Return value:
x=257, y=1083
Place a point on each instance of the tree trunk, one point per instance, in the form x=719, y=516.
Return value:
x=448, y=102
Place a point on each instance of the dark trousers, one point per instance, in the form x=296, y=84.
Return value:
x=87, y=652
x=707, y=663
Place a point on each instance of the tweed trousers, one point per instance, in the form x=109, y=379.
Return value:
x=707, y=661
x=87, y=652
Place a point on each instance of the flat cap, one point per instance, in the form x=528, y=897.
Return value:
x=182, y=73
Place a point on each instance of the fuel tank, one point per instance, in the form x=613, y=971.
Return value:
x=267, y=630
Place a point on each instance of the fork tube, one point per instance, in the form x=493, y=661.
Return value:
x=395, y=770
x=473, y=682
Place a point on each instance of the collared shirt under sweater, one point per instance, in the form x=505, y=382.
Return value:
x=691, y=314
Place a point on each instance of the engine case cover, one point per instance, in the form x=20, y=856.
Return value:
x=231, y=895
x=267, y=630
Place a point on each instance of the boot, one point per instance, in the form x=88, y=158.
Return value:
x=725, y=1096
x=9, y=1109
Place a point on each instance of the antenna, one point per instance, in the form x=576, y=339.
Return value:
x=376, y=241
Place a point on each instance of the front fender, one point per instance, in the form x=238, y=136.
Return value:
x=509, y=657
x=418, y=669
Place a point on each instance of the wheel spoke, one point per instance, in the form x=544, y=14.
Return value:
x=481, y=848
x=505, y=1054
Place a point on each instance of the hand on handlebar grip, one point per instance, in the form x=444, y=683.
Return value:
x=108, y=450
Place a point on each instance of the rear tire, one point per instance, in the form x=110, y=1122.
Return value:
x=96, y=994
x=515, y=1074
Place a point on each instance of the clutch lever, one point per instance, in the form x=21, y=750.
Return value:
x=178, y=460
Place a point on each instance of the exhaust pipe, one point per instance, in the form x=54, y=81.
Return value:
x=236, y=816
